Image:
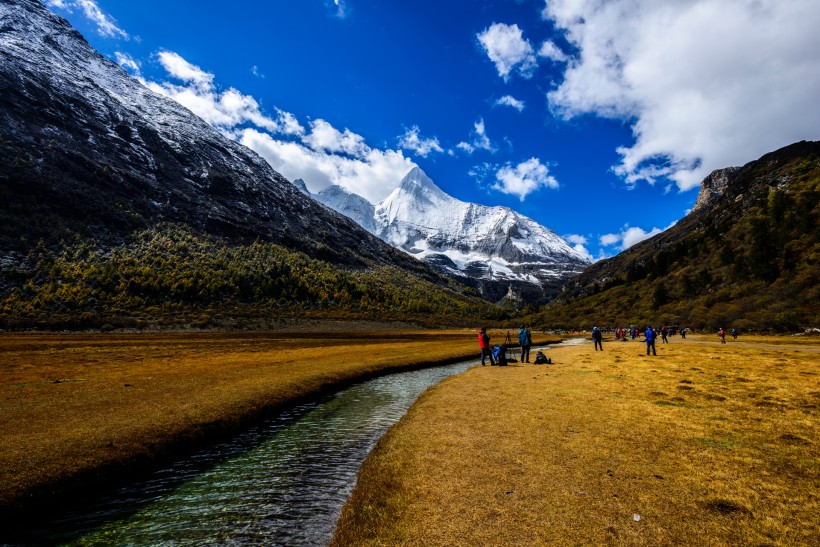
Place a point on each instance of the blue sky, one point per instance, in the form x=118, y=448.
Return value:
x=597, y=119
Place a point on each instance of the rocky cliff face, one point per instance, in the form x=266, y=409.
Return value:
x=88, y=151
x=714, y=186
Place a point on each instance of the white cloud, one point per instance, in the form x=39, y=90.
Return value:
x=552, y=52
x=524, y=178
x=480, y=140
x=372, y=175
x=324, y=137
x=705, y=83
x=127, y=62
x=609, y=239
x=629, y=236
x=181, y=69
x=579, y=243
x=412, y=140
x=322, y=156
x=256, y=72
x=288, y=124
x=506, y=46
x=340, y=8
x=635, y=235
x=106, y=26
x=509, y=100
x=225, y=110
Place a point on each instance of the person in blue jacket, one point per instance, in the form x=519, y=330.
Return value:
x=525, y=341
x=650, y=340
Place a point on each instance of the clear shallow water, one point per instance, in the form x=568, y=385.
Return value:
x=281, y=483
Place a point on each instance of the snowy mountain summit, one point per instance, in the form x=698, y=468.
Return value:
x=502, y=252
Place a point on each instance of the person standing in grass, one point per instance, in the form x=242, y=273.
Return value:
x=649, y=335
x=664, y=334
x=722, y=334
x=734, y=334
x=484, y=344
x=525, y=341
x=598, y=338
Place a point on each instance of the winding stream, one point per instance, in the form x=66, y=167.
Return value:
x=281, y=483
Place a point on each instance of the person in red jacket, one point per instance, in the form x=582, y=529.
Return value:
x=484, y=344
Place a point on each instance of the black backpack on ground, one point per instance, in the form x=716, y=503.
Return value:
x=541, y=359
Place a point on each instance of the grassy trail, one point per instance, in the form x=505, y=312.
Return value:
x=704, y=444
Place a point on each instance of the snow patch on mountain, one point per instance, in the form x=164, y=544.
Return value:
x=349, y=204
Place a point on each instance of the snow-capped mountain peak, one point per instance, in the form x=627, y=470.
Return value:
x=491, y=245
x=416, y=183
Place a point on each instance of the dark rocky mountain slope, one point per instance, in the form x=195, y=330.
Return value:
x=90, y=157
x=87, y=148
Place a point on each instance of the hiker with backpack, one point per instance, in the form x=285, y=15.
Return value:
x=525, y=341
x=484, y=344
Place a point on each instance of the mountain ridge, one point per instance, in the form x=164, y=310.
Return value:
x=746, y=256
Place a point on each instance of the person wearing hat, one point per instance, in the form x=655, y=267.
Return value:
x=484, y=344
x=525, y=341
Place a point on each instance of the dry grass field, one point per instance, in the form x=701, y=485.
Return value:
x=705, y=444
x=79, y=410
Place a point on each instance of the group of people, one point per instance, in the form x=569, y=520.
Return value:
x=650, y=335
x=632, y=333
x=524, y=341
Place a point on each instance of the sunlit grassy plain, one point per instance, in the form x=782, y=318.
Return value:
x=79, y=410
x=705, y=444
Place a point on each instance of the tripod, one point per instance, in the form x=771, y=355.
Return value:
x=508, y=343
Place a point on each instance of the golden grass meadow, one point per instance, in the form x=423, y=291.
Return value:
x=79, y=411
x=705, y=444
